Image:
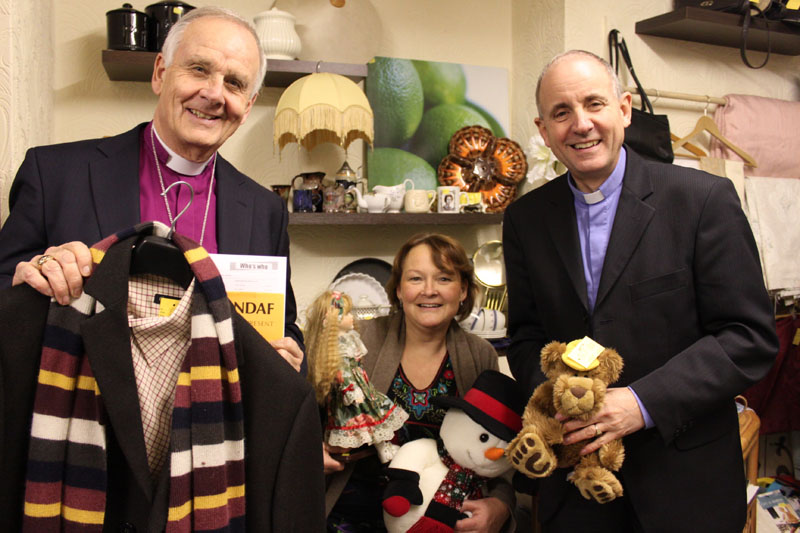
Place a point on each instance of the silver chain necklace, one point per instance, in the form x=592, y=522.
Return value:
x=163, y=189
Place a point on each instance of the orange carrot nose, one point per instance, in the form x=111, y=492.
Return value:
x=494, y=453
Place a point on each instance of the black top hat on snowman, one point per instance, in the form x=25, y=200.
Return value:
x=495, y=401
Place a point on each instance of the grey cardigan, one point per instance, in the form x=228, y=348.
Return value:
x=384, y=338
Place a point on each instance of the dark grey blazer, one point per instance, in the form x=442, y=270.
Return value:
x=283, y=460
x=681, y=297
x=87, y=190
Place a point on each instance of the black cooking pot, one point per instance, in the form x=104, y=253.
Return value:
x=126, y=29
x=162, y=16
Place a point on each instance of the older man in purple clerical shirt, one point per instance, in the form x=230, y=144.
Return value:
x=68, y=196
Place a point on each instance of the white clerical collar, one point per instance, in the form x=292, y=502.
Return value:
x=179, y=164
x=593, y=197
x=608, y=188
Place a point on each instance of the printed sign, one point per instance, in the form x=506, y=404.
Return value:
x=256, y=285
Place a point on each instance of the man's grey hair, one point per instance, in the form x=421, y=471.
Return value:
x=615, y=84
x=175, y=35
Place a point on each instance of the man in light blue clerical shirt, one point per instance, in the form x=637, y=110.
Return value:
x=659, y=263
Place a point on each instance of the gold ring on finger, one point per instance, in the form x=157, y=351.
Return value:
x=42, y=260
x=597, y=431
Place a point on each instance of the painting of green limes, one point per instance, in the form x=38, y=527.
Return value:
x=418, y=105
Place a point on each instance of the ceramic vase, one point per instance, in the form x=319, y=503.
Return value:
x=275, y=29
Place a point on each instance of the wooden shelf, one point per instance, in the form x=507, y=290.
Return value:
x=122, y=65
x=723, y=29
x=282, y=72
x=416, y=219
x=125, y=65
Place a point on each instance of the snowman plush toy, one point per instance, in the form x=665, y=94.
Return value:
x=430, y=479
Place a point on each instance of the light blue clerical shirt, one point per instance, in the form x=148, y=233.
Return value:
x=595, y=212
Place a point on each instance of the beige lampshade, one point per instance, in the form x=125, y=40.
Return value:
x=322, y=107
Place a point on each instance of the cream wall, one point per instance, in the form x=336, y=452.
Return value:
x=520, y=35
x=26, y=80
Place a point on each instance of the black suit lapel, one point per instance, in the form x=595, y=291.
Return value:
x=234, y=210
x=632, y=217
x=115, y=183
x=107, y=341
x=106, y=338
x=563, y=228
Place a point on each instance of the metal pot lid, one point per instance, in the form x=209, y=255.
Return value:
x=126, y=8
x=170, y=4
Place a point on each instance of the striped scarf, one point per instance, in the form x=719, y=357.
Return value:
x=66, y=479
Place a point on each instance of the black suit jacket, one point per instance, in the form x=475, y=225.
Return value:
x=87, y=190
x=681, y=297
x=283, y=460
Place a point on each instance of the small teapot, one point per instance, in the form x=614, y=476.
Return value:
x=347, y=177
x=396, y=193
x=372, y=202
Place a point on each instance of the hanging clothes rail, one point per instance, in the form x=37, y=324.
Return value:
x=703, y=99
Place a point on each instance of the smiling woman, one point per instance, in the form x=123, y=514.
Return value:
x=432, y=279
x=418, y=353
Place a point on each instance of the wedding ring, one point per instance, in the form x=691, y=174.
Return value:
x=597, y=431
x=42, y=260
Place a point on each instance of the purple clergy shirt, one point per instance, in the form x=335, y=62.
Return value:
x=151, y=203
x=595, y=214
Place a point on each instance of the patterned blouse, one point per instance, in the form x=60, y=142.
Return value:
x=424, y=419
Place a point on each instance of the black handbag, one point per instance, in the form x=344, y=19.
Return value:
x=741, y=7
x=648, y=133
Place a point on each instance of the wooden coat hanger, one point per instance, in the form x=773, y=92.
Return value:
x=706, y=124
x=695, y=151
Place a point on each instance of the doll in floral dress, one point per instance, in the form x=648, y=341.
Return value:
x=357, y=413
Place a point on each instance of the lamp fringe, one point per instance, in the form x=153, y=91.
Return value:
x=323, y=123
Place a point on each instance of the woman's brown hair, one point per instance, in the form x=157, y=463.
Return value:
x=448, y=256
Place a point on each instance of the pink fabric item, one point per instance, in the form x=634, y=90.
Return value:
x=765, y=129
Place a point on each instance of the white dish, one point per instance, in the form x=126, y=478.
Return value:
x=363, y=289
x=499, y=334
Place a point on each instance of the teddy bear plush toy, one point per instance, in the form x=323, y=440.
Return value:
x=577, y=375
x=429, y=479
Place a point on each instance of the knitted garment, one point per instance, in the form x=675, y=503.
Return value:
x=66, y=478
x=459, y=484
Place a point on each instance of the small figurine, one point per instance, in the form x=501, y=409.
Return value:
x=357, y=413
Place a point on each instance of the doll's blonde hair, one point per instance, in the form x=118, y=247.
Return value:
x=322, y=341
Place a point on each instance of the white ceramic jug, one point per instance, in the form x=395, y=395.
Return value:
x=396, y=193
